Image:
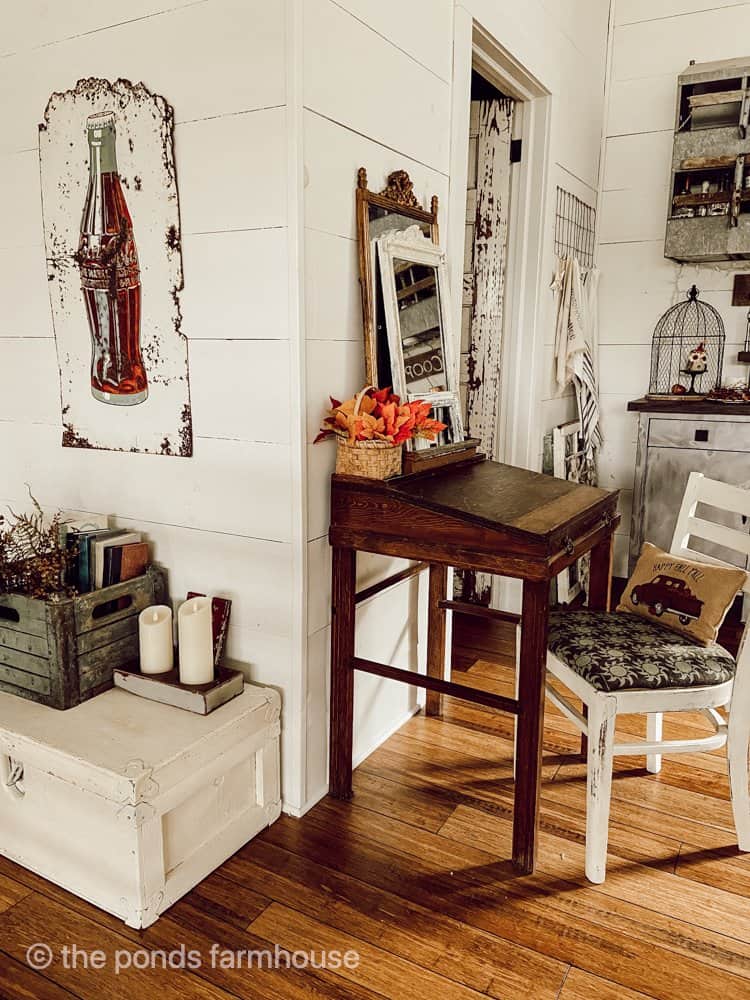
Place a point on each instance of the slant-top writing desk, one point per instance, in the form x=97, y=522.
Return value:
x=478, y=515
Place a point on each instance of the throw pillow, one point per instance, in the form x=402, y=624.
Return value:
x=686, y=596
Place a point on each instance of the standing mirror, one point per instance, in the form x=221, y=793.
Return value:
x=394, y=208
x=414, y=282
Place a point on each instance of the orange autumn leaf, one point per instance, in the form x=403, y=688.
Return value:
x=380, y=416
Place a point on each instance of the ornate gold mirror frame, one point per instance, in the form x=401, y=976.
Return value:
x=397, y=199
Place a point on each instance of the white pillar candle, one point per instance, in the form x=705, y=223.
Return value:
x=196, y=641
x=155, y=639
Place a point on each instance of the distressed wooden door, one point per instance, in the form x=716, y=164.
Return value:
x=487, y=214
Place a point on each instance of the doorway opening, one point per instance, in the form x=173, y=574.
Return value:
x=494, y=147
x=512, y=338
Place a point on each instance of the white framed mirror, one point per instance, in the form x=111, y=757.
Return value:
x=416, y=304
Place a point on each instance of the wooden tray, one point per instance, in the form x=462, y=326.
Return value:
x=435, y=458
x=202, y=699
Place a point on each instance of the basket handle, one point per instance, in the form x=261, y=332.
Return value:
x=360, y=396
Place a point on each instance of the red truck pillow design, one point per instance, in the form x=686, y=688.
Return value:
x=668, y=595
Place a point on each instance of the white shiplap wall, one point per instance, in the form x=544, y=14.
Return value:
x=355, y=114
x=277, y=103
x=222, y=521
x=653, y=41
x=381, y=97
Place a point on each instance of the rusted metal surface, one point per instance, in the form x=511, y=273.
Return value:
x=484, y=288
x=488, y=272
x=698, y=147
x=158, y=420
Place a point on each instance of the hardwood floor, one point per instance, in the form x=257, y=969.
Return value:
x=413, y=875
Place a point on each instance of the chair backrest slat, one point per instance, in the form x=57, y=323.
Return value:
x=733, y=499
x=721, y=534
x=736, y=500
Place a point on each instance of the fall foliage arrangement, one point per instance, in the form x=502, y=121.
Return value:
x=379, y=415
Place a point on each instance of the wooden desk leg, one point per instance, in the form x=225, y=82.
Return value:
x=534, y=624
x=600, y=575
x=342, y=673
x=600, y=594
x=436, y=635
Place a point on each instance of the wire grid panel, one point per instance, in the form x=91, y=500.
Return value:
x=575, y=228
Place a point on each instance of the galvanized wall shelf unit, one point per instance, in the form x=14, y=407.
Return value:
x=709, y=209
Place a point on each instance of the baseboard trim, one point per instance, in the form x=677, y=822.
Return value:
x=321, y=793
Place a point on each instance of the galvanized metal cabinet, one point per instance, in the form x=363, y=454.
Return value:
x=675, y=439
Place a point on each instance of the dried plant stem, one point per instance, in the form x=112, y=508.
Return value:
x=33, y=559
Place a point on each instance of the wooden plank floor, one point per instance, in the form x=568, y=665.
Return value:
x=413, y=876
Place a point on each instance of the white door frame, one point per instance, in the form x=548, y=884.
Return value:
x=525, y=284
x=524, y=281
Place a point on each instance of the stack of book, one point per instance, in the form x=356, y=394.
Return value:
x=101, y=557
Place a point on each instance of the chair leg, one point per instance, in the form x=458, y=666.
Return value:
x=601, y=737
x=737, y=750
x=653, y=733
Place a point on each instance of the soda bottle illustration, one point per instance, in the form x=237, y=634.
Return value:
x=110, y=274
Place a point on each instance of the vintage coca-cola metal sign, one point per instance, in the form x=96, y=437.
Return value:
x=112, y=236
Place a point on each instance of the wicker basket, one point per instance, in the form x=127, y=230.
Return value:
x=370, y=459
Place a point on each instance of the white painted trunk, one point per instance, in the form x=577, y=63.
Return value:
x=128, y=803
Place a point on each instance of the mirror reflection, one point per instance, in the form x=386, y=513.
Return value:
x=420, y=326
x=382, y=220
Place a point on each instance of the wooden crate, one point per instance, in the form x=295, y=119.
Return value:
x=60, y=652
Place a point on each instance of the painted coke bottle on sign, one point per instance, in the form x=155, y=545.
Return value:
x=110, y=275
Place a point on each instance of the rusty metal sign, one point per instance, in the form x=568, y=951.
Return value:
x=114, y=266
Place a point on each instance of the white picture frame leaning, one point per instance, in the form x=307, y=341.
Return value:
x=566, y=457
x=414, y=246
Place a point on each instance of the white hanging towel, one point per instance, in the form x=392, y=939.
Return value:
x=576, y=338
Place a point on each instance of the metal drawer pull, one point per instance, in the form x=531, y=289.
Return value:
x=11, y=776
x=701, y=434
x=568, y=545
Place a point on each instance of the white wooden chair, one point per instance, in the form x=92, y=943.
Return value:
x=604, y=699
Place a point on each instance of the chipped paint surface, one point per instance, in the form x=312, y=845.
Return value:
x=161, y=424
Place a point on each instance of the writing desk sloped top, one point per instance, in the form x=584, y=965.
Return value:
x=477, y=515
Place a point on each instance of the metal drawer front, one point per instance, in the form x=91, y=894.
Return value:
x=705, y=435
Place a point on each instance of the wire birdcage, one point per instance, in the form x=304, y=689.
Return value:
x=687, y=351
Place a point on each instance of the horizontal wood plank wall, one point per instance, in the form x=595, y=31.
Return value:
x=221, y=521
x=653, y=41
x=355, y=115
x=381, y=98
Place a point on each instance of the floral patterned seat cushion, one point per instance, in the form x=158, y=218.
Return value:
x=616, y=652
